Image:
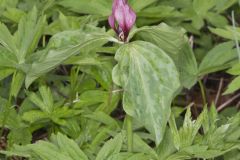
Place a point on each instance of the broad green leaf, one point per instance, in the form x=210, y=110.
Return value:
x=149, y=79
x=83, y=61
x=159, y=12
x=176, y=45
x=177, y=3
x=220, y=57
x=91, y=97
x=102, y=8
x=110, y=148
x=65, y=112
x=103, y=118
x=141, y=4
x=54, y=57
x=235, y=70
x=228, y=32
x=8, y=3
x=223, y=5
x=74, y=37
x=66, y=23
x=203, y=6
x=233, y=86
x=216, y=19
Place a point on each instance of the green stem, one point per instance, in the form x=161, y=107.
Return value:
x=7, y=107
x=44, y=41
x=129, y=133
x=202, y=92
x=5, y=116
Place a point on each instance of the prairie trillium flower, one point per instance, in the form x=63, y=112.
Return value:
x=122, y=18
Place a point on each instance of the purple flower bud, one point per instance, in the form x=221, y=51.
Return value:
x=122, y=18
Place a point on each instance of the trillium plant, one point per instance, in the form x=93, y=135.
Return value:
x=146, y=73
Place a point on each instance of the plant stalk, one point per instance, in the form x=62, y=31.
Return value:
x=202, y=92
x=129, y=133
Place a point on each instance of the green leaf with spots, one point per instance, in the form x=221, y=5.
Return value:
x=149, y=79
x=174, y=42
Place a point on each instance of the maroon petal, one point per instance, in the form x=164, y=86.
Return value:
x=111, y=22
x=123, y=16
x=119, y=16
x=130, y=18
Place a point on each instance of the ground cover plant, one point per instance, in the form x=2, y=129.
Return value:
x=119, y=80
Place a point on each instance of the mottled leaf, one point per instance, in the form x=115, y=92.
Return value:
x=149, y=79
x=176, y=45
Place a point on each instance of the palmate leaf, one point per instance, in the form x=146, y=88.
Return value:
x=68, y=146
x=220, y=57
x=111, y=148
x=45, y=103
x=6, y=39
x=18, y=46
x=176, y=45
x=20, y=136
x=30, y=30
x=212, y=143
x=60, y=148
x=26, y=38
x=49, y=111
x=149, y=79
